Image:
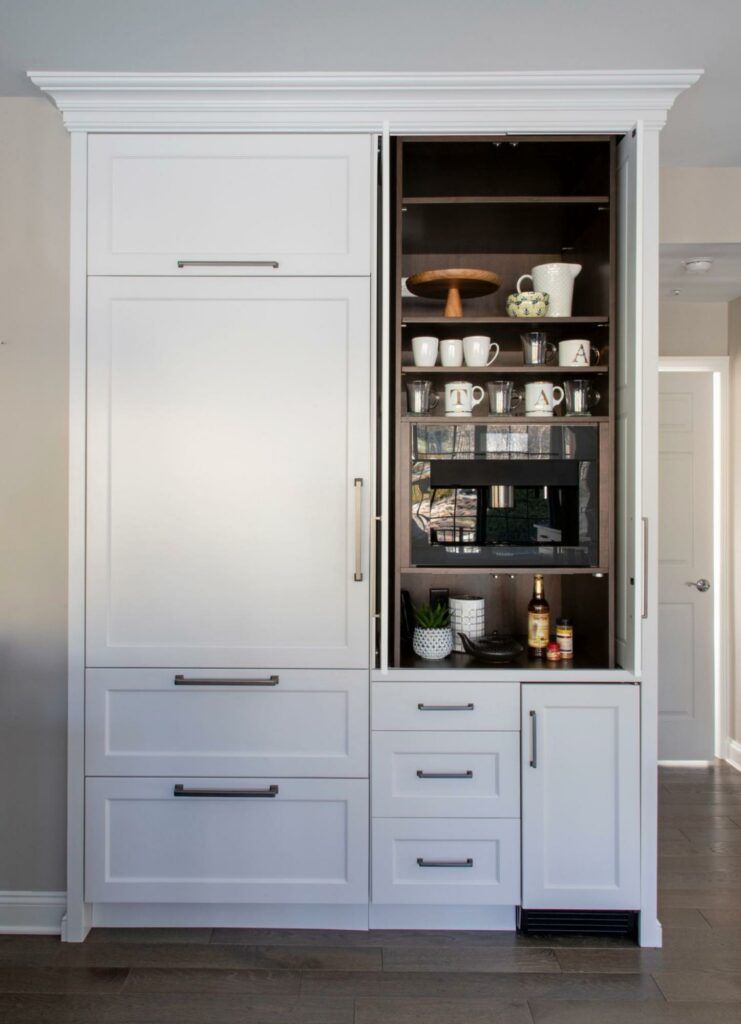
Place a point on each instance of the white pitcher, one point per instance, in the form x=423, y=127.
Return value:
x=558, y=280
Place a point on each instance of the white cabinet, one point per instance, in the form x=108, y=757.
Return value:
x=176, y=721
x=230, y=204
x=226, y=841
x=580, y=797
x=228, y=464
x=455, y=706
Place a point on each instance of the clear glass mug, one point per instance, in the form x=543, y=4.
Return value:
x=536, y=349
x=420, y=399
x=581, y=397
x=504, y=398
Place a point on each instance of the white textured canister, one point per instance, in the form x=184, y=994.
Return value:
x=467, y=615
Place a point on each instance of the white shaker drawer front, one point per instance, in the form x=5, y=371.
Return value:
x=226, y=841
x=442, y=774
x=426, y=860
x=226, y=722
x=447, y=706
x=229, y=204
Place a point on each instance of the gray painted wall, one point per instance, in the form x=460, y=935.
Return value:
x=34, y=189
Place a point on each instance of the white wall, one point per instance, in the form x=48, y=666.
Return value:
x=693, y=328
x=734, y=339
x=34, y=186
x=700, y=204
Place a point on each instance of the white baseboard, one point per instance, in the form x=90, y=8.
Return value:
x=446, y=918
x=686, y=764
x=352, y=917
x=734, y=754
x=31, y=913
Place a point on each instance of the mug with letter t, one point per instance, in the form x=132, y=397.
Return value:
x=462, y=397
x=542, y=397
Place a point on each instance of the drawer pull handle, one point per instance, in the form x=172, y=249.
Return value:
x=180, y=790
x=228, y=263
x=358, y=488
x=467, y=863
x=533, y=739
x=270, y=681
x=444, y=775
x=445, y=707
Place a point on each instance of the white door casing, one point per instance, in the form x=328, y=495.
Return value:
x=580, y=797
x=686, y=614
x=228, y=423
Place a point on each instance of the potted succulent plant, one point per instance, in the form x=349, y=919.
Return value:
x=433, y=637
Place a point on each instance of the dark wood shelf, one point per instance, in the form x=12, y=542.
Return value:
x=520, y=322
x=502, y=570
x=538, y=421
x=502, y=369
x=506, y=200
x=581, y=660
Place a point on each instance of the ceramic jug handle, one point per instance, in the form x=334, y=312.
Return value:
x=596, y=353
x=557, y=401
x=496, y=352
x=477, y=401
x=550, y=348
x=522, y=278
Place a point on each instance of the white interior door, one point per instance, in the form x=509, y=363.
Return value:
x=686, y=649
x=228, y=466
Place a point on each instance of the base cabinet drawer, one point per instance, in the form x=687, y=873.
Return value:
x=226, y=840
x=443, y=774
x=454, y=706
x=424, y=860
x=226, y=722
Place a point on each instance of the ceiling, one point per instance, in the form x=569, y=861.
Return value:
x=722, y=283
x=399, y=35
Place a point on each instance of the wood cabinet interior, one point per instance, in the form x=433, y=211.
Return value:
x=505, y=204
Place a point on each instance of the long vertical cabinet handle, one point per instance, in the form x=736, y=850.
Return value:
x=644, y=580
x=533, y=740
x=358, y=575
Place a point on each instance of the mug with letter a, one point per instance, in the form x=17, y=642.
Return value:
x=577, y=352
x=461, y=397
x=542, y=397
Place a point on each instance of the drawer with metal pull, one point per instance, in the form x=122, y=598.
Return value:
x=442, y=774
x=226, y=722
x=447, y=706
x=438, y=861
x=195, y=840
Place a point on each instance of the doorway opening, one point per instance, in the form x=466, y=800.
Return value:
x=694, y=560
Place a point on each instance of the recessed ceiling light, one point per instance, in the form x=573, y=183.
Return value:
x=701, y=265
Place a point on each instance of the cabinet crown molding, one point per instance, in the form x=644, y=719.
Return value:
x=405, y=102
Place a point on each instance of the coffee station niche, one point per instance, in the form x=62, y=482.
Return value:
x=503, y=326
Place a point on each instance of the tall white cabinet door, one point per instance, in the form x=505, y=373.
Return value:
x=580, y=797
x=228, y=466
x=277, y=204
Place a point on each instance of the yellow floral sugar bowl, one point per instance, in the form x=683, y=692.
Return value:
x=521, y=304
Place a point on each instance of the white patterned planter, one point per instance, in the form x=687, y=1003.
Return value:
x=467, y=615
x=432, y=644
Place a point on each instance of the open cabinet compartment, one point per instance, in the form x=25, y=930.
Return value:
x=503, y=204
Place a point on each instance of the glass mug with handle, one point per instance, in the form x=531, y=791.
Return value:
x=536, y=349
x=504, y=398
x=577, y=352
x=581, y=398
x=420, y=399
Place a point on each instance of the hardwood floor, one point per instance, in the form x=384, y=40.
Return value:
x=220, y=976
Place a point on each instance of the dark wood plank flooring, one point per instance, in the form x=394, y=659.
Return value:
x=266, y=976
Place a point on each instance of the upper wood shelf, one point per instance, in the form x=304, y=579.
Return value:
x=506, y=200
x=502, y=369
x=536, y=421
x=523, y=323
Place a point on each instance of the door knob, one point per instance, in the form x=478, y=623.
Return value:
x=702, y=585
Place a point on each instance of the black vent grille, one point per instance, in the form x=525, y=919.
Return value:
x=622, y=923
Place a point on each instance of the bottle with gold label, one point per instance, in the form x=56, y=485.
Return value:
x=538, y=620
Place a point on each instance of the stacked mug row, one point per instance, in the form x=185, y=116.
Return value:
x=480, y=350
x=540, y=397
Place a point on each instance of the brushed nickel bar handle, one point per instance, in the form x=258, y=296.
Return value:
x=467, y=863
x=444, y=775
x=181, y=790
x=644, y=597
x=533, y=740
x=183, y=681
x=445, y=707
x=358, y=485
x=228, y=263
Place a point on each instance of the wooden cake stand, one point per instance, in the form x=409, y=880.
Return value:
x=451, y=285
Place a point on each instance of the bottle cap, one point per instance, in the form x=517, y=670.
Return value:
x=563, y=622
x=553, y=646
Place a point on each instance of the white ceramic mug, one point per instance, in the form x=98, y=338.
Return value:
x=558, y=280
x=477, y=349
x=462, y=397
x=576, y=352
x=425, y=350
x=541, y=397
x=451, y=352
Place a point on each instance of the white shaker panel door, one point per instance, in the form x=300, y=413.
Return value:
x=230, y=204
x=228, y=466
x=226, y=840
x=580, y=797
